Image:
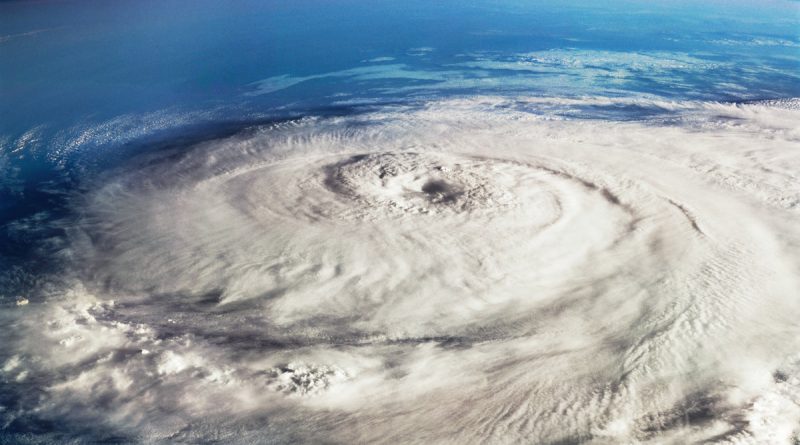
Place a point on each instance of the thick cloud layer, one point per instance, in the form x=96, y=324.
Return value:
x=467, y=271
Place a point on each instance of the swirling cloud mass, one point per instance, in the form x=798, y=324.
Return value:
x=461, y=271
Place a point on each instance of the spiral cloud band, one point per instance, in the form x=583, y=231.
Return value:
x=465, y=271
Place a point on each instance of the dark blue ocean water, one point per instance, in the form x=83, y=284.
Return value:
x=68, y=65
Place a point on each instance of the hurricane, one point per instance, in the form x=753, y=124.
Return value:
x=494, y=266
